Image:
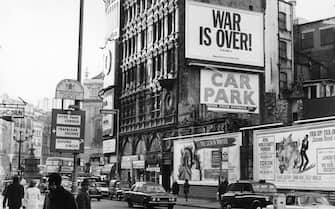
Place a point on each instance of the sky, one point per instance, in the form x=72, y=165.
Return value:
x=39, y=42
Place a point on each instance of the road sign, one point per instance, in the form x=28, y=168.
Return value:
x=67, y=131
x=69, y=89
x=109, y=111
x=13, y=111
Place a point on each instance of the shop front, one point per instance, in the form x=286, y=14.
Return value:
x=127, y=167
x=153, y=170
x=203, y=158
x=138, y=169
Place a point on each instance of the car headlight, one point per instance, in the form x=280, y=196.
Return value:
x=267, y=198
x=154, y=199
x=158, y=199
x=172, y=199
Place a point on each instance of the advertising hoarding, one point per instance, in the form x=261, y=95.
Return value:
x=108, y=146
x=230, y=92
x=196, y=158
x=297, y=157
x=67, y=131
x=112, y=11
x=109, y=62
x=108, y=118
x=224, y=34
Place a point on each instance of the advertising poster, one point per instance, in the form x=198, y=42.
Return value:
x=224, y=34
x=198, y=158
x=229, y=91
x=297, y=157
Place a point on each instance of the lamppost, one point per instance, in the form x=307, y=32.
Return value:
x=22, y=137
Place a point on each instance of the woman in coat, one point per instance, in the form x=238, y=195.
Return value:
x=32, y=197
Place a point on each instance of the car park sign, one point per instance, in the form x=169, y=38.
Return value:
x=67, y=131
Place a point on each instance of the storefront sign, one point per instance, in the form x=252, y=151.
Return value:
x=127, y=161
x=224, y=34
x=297, y=157
x=194, y=159
x=138, y=164
x=230, y=92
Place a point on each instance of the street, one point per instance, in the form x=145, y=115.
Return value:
x=111, y=204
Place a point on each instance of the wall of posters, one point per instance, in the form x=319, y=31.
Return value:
x=196, y=158
x=297, y=157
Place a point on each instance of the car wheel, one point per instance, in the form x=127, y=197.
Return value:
x=130, y=204
x=170, y=207
x=256, y=206
x=111, y=197
x=227, y=206
x=147, y=206
x=98, y=198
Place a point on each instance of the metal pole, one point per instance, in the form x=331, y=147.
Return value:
x=19, y=161
x=117, y=143
x=77, y=102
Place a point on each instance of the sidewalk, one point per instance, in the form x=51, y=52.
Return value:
x=200, y=203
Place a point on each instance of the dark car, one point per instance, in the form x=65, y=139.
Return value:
x=149, y=195
x=120, y=188
x=248, y=195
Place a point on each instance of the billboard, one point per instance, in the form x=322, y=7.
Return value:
x=108, y=146
x=108, y=118
x=197, y=158
x=230, y=92
x=37, y=138
x=109, y=63
x=67, y=131
x=224, y=34
x=297, y=157
x=112, y=11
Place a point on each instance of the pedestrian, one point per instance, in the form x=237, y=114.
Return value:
x=32, y=196
x=175, y=188
x=58, y=197
x=222, y=188
x=83, y=198
x=13, y=195
x=186, y=189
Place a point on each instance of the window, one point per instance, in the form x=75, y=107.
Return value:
x=170, y=23
x=282, y=21
x=283, y=80
x=313, y=92
x=307, y=40
x=154, y=32
x=153, y=68
x=282, y=49
x=326, y=36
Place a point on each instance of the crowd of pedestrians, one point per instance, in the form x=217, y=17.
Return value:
x=16, y=197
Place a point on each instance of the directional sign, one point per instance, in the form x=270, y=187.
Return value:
x=67, y=131
x=12, y=110
x=69, y=89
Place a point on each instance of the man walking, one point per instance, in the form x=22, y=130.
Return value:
x=303, y=155
x=186, y=189
x=83, y=198
x=13, y=195
x=58, y=197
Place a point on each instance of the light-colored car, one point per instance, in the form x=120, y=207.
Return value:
x=307, y=200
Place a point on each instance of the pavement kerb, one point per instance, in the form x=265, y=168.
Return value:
x=196, y=206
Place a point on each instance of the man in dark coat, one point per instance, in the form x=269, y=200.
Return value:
x=13, y=195
x=175, y=188
x=83, y=198
x=186, y=189
x=222, y=187
x=58, y=197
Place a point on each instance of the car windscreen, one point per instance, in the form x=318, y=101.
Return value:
x=313, y=200
x=240, y=187
x=101, y=184
x=124, y=185
x=264, y=188
x=153, y=188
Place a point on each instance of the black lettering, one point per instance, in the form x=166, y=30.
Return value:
x=228, y=37
x=208, y=40
x=235, y=40
x=200, y=35
x=244, y=41
x=237, y=21
x=227, y=21
x=217, y=18
x=250, y=42
x=235, y=96
x=220, y=38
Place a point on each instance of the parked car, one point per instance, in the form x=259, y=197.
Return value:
x=93, y=191
x=248, y=195
x=120, y=188
x=103, y=188
x=307, y=200
x=149, y=195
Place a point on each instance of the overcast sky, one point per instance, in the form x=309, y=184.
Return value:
x=38, y=42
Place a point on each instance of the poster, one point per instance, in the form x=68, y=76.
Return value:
x=297, y=157
x=197, y=158
x=224, y=34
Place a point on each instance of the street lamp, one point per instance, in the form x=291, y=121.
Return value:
x=20, y=139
